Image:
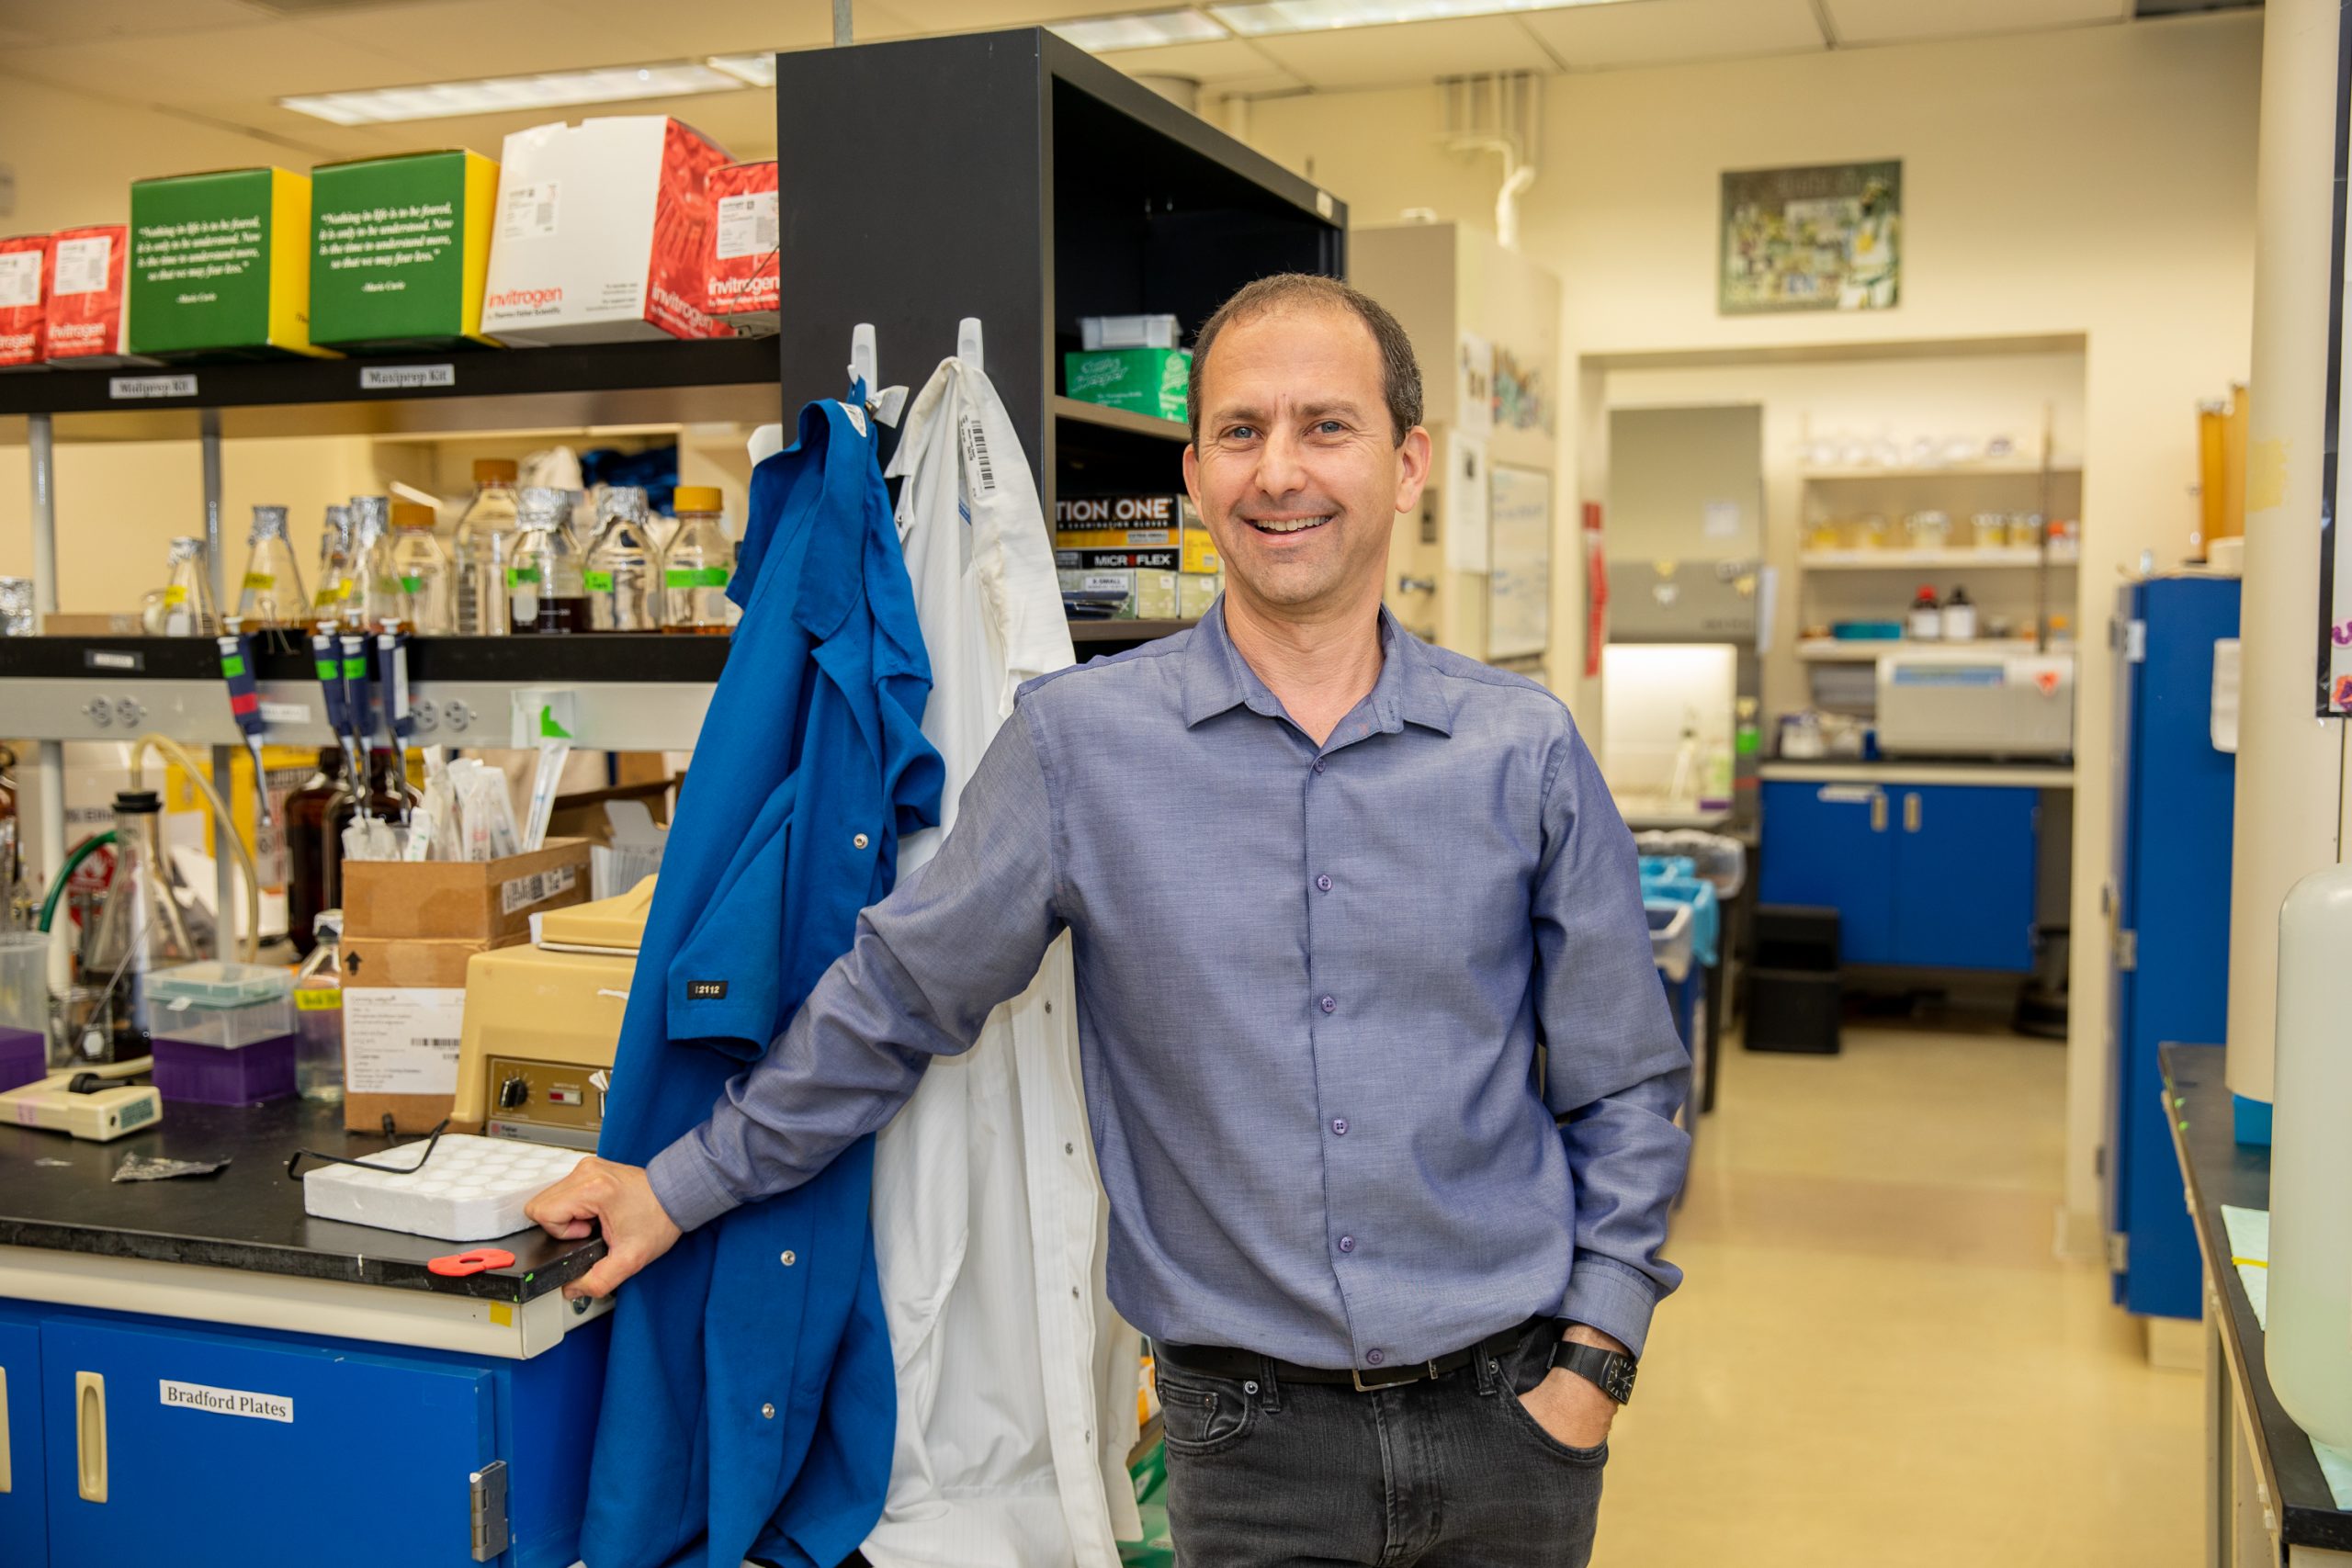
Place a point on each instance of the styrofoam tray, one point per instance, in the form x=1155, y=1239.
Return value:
x=471, y=1189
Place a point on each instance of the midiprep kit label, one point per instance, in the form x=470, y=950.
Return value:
x=122, y=386
x=228, y=1400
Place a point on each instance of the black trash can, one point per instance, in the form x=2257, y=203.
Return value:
x=1794, y=1000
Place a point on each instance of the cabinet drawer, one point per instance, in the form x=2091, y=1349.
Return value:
x=24, y=1503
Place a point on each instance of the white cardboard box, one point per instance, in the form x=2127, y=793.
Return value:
x=600, y=233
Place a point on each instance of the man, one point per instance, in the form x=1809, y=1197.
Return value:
x=1329, y=890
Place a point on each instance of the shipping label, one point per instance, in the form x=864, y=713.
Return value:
x=84, y=265
x=402, y=1039
x=530, y=212
x=522, y=892
x=19, y=279
x=747, y=225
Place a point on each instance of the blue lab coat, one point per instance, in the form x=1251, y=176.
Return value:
x=810, y=765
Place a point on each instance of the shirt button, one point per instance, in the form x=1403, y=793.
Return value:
x=1340, y=1125
x=859, y=842
x=1347, y=1244
x=1330, y=1004
x=1318, y=764
x=1323, y=884
x=1373, y=1357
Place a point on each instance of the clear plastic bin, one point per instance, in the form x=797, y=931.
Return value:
x=221, y=1028
x=1720, y=859
x=24, y=1007
x=1669, y=937
x=216, y=984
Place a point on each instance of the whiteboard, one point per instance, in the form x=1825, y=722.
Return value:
x=1519, y=579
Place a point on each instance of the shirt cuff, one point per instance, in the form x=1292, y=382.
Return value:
x=1606, y=1294
x=686, y=1186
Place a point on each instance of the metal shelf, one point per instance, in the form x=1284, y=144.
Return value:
x=1866, y=650
x=1075, y=411
x=1954, y=471
x=667, y=382
x=1962, y=559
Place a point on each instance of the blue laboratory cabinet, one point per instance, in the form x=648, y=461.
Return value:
x=135, y=1440
x=1925, y=876
x=2168, y=958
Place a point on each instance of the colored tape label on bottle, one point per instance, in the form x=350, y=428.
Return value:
x=600, y=581
x=518, y=575
x=260, y=582
x=697, y=577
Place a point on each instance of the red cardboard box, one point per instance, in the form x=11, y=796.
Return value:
x=739, y=284
x=20, y=311
x=82, y=278
x=602, y=228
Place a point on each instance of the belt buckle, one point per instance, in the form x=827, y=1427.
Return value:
x=1427, y=1369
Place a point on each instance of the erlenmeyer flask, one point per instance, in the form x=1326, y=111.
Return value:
x=188, y=609
x=271, y=594
x=140, y=929
x=334, y=568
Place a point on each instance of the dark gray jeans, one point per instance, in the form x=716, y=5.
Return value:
x=1447, y=1473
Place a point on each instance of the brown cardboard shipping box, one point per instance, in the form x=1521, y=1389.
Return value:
x=462, y=900
x=403, y=1012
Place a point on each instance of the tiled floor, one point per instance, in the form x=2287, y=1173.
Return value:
x=1877, y=1361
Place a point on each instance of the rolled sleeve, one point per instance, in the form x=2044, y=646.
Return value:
x=928, y=964
x=1616, y=1070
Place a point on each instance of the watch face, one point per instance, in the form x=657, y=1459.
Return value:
x=1618, y=1381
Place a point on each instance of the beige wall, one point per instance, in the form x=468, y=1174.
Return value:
x=2096, y=182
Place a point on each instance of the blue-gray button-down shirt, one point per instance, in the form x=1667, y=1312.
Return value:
x=1312, y=982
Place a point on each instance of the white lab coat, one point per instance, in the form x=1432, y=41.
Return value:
x=1016, y=1379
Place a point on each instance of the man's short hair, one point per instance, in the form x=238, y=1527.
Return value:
x=1400, y=373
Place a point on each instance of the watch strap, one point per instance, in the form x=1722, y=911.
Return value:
x=1605, y=1369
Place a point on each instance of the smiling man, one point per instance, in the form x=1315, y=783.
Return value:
x=1380, y=1078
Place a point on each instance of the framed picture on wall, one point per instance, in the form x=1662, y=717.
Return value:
x=1825, y=238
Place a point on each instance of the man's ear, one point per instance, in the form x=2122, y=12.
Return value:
x=1412, y=467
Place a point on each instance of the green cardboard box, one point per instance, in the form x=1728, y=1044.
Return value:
x=220, y=265
x=399, y=249
x=1141, y=380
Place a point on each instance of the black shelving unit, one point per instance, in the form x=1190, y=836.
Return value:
x=1013, y=177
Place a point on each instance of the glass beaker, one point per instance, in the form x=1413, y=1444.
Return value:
x=185, y=608
x=421, y=567
x=623, y=578
x=271, y=593
x=140, y=928
x=480, y=549
x=695, y=567
x=546, y=588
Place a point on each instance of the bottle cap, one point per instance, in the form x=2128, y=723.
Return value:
x=145, y=800
x=495, y=470
x=411, y=515
x=697, y=498
x=327, y=923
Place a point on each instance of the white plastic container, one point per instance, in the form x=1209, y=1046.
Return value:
x=2308, y=1347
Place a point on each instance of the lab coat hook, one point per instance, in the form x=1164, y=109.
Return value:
x=861, y=361
x=968, y=342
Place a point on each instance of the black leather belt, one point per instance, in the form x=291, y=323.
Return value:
x=1222, y=1362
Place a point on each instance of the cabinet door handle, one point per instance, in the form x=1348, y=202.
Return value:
x=1878, y=811
x=90, y=1434
x=1911, y=813
x=8, y=1474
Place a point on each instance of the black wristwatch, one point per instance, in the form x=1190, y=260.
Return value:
x=1605, y=1369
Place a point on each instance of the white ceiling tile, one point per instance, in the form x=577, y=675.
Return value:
x=85, y=21
x=1887, y=21
x=704, y=26
x=1411, y=51
x=986, y=15
x=245, y=65
x=446, y=40
x=1211, y=65
x=1657, y=32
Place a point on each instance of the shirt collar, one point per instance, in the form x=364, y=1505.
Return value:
x=1216, y=679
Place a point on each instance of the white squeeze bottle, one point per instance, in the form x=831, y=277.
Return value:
x=2309, y=1345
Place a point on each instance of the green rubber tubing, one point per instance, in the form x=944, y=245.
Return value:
x=82, y=851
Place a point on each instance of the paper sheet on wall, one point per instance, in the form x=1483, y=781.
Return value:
x=1720, y=519
x=1518, y=586
x=2225, y=695
x=1464, y=499
x=1473, y=385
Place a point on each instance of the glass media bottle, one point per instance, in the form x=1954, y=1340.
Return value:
x=623, y=570
x=271, y=594
x=318, y=1012
x=421, y=568
x=140, y=929
x=696, y=568
x=376, y=599
x=480, y=549
x=546, y=588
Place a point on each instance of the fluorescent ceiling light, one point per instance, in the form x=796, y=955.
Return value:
x=1267, y=16
x=1146, y=29
x=496, y=95
x=759, y=70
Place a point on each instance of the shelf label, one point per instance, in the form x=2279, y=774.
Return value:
x=405, y=378
x=287, y=714
x=106, y=659
x=124, y=387
x=227, y=1401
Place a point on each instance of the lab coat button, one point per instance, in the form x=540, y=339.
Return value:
x=789, y=1259
x=767, y=1412
x=859, y=842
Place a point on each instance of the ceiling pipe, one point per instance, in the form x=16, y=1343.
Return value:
x=1498, y=113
